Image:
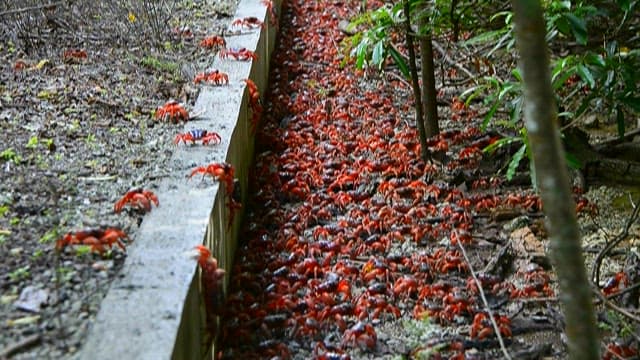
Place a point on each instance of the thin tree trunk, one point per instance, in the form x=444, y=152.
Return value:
x=415, y=82
x=428, y=85
x=553, y=180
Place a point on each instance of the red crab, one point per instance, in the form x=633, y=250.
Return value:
x=272, y=13
x=20, y=65
x=481, y=327
x=212, y=42
x=137, y=198
x=98, y=239
x=361, y=335
x=183, y=32
x=173, y=111
x=211, y=279
x=198, y=135
x=254, y=102
x=74, y=55
x=220, y=171
x=250, y=22
x=322, y=352
x=212, y=77
x=240, y=54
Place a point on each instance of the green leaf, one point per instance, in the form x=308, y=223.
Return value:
x=625, y=5
x=399, y=60
x=377, y=57
x=586, y=75
x=491, y=148
x=578, y=28
x=517, y=74
x=572, y=161
x=50, y=236
x=515, y=161
x=485, y=37
x=560, y=80
x=471, y=93
x=361, y=54
x=594, y=59
x=489, y=116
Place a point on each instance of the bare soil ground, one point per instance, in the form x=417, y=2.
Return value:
x=76, y=134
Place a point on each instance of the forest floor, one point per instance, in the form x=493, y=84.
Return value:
x=78, y=133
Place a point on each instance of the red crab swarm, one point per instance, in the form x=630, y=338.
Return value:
x=339, y=185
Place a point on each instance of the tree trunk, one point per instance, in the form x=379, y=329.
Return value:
x=428, y=85
x=415, y=82
x=553, y=181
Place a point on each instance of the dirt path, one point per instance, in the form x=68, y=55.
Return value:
x=77, y=125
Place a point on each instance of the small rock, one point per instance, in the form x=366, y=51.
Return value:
x=31, y=299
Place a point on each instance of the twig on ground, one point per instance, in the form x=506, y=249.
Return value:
x=99, y=178
x=608, y=303
x=15, y=347
x=399, y=78
x=30, y=8
x=595, y=272
x=496, y=329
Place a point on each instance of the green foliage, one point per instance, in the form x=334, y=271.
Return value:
x=33, y=142
x=20, y=273
x=4, y=209
x=50, y=236
x=159, y=64
x=10, y=155
x=617, y=324
x=604, y=79
x=372, y=46
x=82, y=250
x=611, y=77
x=65, y=274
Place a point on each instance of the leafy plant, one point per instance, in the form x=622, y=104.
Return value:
x=159, y=64
x=50, y=236
x=10, y=155
x=20, y=273
x=505, y=95
x=82, y=250
x=32, y=143
x=373, y=45
x=612, y=78
x=4, y=209
x=65, y=274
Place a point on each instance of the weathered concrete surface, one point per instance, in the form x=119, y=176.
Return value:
x=153, y=311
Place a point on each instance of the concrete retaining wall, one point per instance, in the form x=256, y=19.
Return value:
x=154, y=309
